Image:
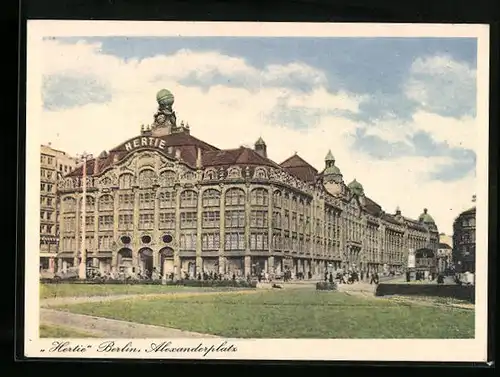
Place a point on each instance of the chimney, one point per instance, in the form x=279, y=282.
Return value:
x=178, y=154
x=170, y=150
x=115, y=159
x=198, y=158
x=398, y=211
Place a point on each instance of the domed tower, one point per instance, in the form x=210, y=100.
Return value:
x=165, y=120
x=331, y=173
x=261, y=147
x=332, y=177
x=426, y=218
x=356, y=188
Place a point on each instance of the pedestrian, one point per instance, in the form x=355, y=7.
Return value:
x=330, y=279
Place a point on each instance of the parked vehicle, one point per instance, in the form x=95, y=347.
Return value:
x=71, y=273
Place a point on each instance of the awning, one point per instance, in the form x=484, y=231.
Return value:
x=48, y=239
x=65, y=254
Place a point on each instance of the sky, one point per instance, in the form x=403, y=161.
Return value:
x=398, y=114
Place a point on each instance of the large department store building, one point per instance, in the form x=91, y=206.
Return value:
x=169, y=201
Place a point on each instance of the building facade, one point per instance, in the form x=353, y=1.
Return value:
x=54, y=164
x=445, y=253
x=464, y=241
x=168, y=201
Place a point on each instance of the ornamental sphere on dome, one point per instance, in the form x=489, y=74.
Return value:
x=165, y=98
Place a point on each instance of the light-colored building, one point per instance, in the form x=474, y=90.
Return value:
x=445, y=253
x=54, y=164
x=168, y=201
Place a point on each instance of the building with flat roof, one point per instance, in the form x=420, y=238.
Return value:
x=167, y=201
x=54, y=164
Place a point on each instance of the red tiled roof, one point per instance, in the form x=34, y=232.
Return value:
x=300, y=168
x=240, y=156
x=372, y=207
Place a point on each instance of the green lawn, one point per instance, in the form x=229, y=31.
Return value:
x=51, y=331
x=290, y=314
x=78, y=290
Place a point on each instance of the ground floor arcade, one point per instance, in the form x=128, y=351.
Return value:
x=166, y=262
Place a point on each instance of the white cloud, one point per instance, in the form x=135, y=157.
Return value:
x=229, y=117
x=442, y=85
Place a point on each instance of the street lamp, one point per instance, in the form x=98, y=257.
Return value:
x=82, y=271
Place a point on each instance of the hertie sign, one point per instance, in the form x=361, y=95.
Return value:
x=142, y=142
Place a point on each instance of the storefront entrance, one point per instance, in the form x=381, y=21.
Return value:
x=167, y=261
x=146, y=261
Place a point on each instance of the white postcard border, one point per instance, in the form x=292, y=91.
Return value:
x=258, y=349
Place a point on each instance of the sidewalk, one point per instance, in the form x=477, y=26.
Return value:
x=112, y=328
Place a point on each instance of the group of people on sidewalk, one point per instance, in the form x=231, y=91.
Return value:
x=351, y=277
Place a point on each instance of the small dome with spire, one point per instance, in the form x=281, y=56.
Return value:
x=356, y=187
x=426, y=218
x=329, y=156
x=260, y=141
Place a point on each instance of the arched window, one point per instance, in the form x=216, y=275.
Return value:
x=189, y=199
x=126, y=181
x=260, y=197
x=106, y=202
x=90, y=204
x=211, y=198
x=146, y=178
x=235, y=197
x=69, y=204
x=167, y=199
x=167, y=178
x=277, y=199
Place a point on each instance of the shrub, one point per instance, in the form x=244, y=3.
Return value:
x=326, y=286
x=183, y=282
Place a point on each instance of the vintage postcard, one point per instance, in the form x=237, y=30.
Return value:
x=256, y=191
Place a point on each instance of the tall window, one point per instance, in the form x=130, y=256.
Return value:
x=167, y=178
x=167, y=220
x=277, y=199
x=187, y=241
x=105, y=242
x=260, y=197
x=69, y=223
x=259, y=241
x=277, y=241
x=235, y=197
x=188, y=220
x=211, y=219
x=147, y=200
x=126, y=201
x=189, y=199
x=106, y=202
x=258, y=219
x=146, y=178
x=106, y=222
x=126, y=221
x=167, y=199
x=126, y=181
x=234, y=241
x=211, y=198
x=234, y=219
x=89, y=223
x=277, y=219
x=69, y=205
x=210, y=241
x=146, y=221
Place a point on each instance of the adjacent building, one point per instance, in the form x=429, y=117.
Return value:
x=168, y=201
x=445, y=253
x=464, y=241
x=53, y=165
